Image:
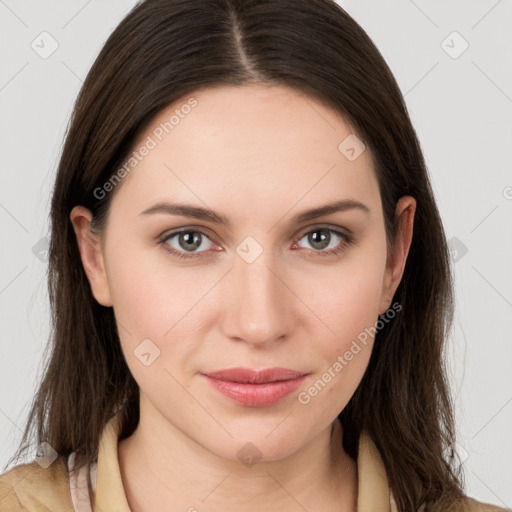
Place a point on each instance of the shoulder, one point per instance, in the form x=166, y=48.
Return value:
x=30, y=487
x=473, y=505
x=467, y=504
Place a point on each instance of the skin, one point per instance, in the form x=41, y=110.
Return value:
x=259, y=156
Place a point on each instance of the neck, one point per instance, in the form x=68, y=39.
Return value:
x=161, y=466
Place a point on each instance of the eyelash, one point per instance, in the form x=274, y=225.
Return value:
x=346, y=241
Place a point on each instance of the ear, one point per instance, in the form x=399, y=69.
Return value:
x=89, y=245
x=404, y=214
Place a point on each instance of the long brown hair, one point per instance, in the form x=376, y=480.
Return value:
x=166, y=49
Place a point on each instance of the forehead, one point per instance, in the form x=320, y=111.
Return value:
x=254, y=145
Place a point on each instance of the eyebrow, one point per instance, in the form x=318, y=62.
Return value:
x=198, y=212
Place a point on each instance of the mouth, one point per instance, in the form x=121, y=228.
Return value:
x=255, y=388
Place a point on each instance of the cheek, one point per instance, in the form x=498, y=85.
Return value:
x=344, y=350
x=151, y=299
x=151, y=293
x=346, y=297
x=158, y=300
x=347, y=302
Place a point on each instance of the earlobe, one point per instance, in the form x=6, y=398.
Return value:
x=91, y=254
x=405, y=211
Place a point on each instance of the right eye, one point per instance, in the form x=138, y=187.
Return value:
x=185, y=239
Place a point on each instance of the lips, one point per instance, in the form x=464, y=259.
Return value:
x=254, y=388
x=250, y=376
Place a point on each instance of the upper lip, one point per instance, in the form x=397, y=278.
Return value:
x=248, y=375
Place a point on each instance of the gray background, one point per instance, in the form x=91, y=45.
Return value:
x=460, y=104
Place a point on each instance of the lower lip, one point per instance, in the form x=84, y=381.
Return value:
x=256, y=395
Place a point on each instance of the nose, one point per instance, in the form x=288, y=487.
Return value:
x=259, y=307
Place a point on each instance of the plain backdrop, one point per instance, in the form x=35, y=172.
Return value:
x=453, y=63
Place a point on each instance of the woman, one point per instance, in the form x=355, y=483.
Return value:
x=243, y=316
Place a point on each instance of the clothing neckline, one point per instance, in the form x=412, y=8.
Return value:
x=99, y=487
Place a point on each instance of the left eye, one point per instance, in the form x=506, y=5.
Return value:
x=321, y=238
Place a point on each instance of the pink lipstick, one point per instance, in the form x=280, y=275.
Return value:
x=255, y=388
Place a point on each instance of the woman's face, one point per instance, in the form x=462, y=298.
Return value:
x=269, y=289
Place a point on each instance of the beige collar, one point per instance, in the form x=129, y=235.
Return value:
x=373, y=490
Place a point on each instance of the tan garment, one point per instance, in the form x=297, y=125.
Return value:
x=99, y=488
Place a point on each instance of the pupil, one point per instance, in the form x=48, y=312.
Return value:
x=322, y=239
x=189, y=238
